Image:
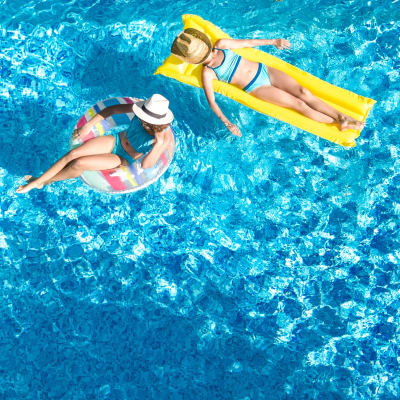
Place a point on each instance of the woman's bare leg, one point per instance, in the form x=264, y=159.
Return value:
x=284, y=99
x=86, y=163
x=285, y=82
x=77, y=166
x=98, y=145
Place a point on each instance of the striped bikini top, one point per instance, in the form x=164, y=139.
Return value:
x=227, y=68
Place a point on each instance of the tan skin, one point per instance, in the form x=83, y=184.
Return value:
x=284, y=90
x=95, y=154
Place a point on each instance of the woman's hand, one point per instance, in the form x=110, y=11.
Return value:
x=160, y=138
x=79, y=133
x=233, y=129
x=282, y=44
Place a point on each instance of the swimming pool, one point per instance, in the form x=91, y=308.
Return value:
x=260, y=267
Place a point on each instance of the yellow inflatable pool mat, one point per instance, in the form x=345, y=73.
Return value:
x=343, y=100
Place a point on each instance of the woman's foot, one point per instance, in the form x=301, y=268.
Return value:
x=350, y=123
x=31, y=184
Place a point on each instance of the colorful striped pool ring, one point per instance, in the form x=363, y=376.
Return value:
x=124, y=179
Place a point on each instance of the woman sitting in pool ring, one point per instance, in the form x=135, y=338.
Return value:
x=264, y=82
x=149, y=134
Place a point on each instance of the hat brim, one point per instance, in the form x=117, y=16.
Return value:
x=192, y=59
x=199, y=35
x=137, y=109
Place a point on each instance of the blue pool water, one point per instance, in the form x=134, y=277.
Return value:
x=264, y=267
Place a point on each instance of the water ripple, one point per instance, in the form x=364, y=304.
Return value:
x=260, y=267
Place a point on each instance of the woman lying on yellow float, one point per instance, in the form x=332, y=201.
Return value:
x=259, y=80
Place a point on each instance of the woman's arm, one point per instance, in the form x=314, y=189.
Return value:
x=207, y=78
x=240, y=43
x=103, y=114
x=158, y=148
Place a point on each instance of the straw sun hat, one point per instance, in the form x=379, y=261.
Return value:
x=192, y=46
x=155, y=110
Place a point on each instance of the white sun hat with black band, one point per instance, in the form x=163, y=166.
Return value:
x=155, y=110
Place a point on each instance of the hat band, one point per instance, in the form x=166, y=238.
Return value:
x=154, y=115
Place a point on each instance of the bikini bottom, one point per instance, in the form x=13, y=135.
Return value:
x=261, y=79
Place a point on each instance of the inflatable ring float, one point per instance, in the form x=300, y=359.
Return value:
x=124, y=179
